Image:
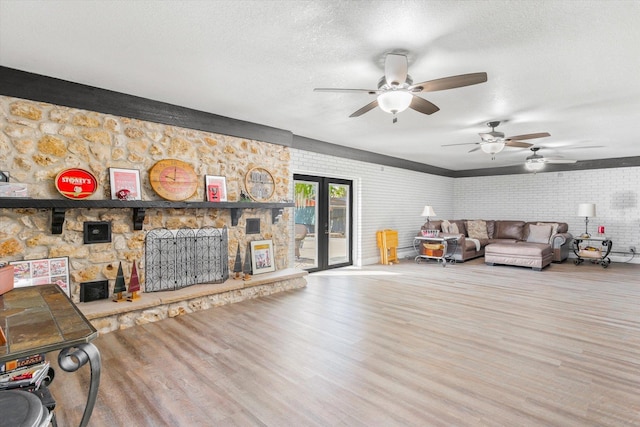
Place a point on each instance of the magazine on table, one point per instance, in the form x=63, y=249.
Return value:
x=31, y=376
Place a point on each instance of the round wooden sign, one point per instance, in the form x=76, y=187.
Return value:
x=76, y=183
x=260, y=184
x=173, y=179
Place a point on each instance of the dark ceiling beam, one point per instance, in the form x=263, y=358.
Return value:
x=321, y=147
x=622, y=162
x=36, y=87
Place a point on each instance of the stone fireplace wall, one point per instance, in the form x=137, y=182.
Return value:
x=38, y=140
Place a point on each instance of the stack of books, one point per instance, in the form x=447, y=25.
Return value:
x=26, y=373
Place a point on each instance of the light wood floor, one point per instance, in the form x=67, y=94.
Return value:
x=402, y=345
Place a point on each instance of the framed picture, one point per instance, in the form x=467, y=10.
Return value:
x=216, y=188
x=42, y=272
x=125, y=184
x=262, y=256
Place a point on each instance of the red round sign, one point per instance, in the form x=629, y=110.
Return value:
x=76, y=183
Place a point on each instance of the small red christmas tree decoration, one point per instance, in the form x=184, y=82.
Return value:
x=134, y=284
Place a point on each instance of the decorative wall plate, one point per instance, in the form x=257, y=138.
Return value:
x=173, y=179
x=260, y=184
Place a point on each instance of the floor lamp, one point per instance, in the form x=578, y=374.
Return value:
x=586, y=210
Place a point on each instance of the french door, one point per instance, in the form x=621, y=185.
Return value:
x=323, y=217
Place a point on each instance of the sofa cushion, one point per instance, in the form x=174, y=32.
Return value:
x=539, y=233
x=477, y=229
x=509, y=230
x=491, y=228
x=461, y=226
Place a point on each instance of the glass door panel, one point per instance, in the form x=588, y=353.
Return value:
x=339, y=241
x=306, y=224
x=322, y=222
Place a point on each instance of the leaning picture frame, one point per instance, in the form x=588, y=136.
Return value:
x=125, y=184
x=215, y=188
x=42, y=272
x=262, y=260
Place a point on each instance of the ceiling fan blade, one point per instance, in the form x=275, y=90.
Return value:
x=512, y=143
x=421, y=105
x=370, y=106
x=559, y=161
x=449, y=82
x=395, y=69
x=474, y=149
x=529, y=136
x=328, y=89
x=461, y=143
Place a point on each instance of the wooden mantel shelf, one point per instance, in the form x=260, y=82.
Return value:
x=59, y=206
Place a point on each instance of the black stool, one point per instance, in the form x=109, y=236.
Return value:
x=22, y=409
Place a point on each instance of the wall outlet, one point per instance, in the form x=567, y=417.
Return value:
x=632, y=249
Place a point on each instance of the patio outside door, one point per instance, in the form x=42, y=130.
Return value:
x=323, y=216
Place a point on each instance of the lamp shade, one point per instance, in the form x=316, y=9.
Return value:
x=428, y=211
x=587, y=209
x=394, y=101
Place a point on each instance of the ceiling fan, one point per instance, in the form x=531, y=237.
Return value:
x=536, y=162
x=396, y=91
x=494, y=142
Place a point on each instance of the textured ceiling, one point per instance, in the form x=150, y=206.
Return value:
x=564, y=67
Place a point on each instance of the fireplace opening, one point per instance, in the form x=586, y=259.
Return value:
x=175, y=259
x=93, y=291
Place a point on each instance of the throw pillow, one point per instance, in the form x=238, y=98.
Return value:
x=446, y=226
x=477, y=229
x=554, y=226
x=539, y=233
x=453, y=228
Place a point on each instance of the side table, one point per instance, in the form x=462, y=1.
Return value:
x=41, y=319
x=598, y=255
x=449, y=244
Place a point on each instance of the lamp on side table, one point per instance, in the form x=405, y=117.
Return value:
x=586, y=210
x=428, y=211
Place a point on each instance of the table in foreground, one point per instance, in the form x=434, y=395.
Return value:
x=41, y=319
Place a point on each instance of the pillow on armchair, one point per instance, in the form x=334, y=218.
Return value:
x=554, y=226
x=539, y=233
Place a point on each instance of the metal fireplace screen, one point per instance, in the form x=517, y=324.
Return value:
x=175, y=259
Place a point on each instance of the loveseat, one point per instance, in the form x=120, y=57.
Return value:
x=475, y=235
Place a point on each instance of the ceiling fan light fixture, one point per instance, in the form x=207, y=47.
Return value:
x=395, y=101
x=534, y=165
x=492, y=147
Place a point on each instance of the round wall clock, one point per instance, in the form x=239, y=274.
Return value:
x=173, y=179
x=260, y=184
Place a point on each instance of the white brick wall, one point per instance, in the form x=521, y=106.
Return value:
x=384, y=198
x=555, y=196
x=387, y=197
